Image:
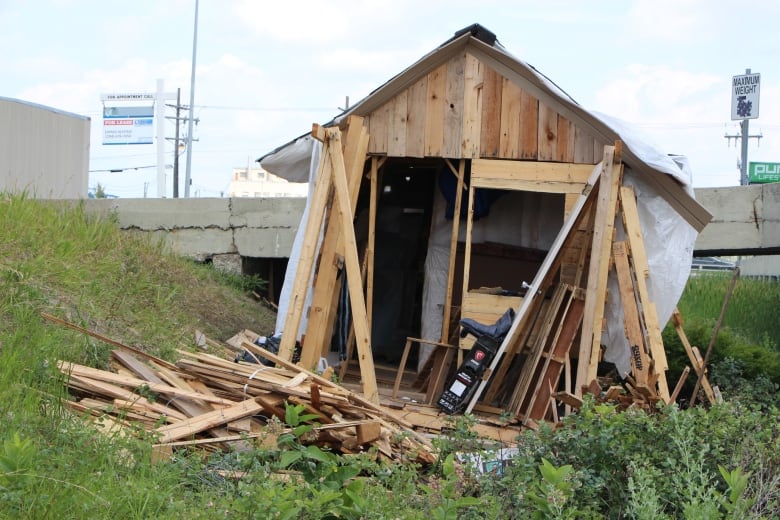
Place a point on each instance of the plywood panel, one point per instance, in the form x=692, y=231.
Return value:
x=490, y=124
x=415, y=118
x=453, y=107
x=472, y=107
x=396, y=133
x=434, y=111
x=548, y=133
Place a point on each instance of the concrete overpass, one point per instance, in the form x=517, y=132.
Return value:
x=746, y=221
x=255, y=236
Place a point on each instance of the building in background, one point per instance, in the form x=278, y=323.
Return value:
x=44, y=152
x=256, y=182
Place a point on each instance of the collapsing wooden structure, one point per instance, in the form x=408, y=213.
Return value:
x=469, y=184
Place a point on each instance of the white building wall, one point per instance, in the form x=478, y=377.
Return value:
x=43, y=151
x=257, y=182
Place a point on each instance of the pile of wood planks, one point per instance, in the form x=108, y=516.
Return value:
x=215, y=403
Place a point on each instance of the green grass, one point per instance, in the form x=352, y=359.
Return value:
x=752, y=311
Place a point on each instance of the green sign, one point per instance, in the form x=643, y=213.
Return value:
x=761, y=172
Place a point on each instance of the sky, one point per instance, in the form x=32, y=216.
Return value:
x=267, y=70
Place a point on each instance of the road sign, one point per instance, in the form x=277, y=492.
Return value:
x=744, y=96
x=763, y=172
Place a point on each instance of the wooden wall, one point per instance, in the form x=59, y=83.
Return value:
x=465, y=109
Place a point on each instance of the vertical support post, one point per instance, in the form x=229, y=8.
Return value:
x=445, y=325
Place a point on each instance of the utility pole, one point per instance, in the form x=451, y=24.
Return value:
x=176, y=147
x=745, y=91
x=188, y=175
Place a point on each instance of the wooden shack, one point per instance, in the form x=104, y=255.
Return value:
x=466, y=185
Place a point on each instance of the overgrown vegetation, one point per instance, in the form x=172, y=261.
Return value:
x=722, y=462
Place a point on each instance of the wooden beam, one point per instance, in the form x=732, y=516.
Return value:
x=307, y=256
x=638, y=256
x=445, y=326
x=356, y=297
x=596, y=295
x=188, y=428
x=321, y=314
x=696, y=361
x=530, y=171
x=631, y=323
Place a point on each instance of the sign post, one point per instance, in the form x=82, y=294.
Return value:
x=745, y=90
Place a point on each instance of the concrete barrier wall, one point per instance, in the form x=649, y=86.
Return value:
x=746, y=220
x=200, y=227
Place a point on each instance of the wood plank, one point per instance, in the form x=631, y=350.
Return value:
x=568, y=326
x=472, y=107
x=135, y=383
x=322, y=311
x=631, y=322
x=105, y=339
x=371, y=244
x=378, y=123
x=307, y=257
x=530, y=171
x=533, y=186
x=434, y=111
x=511, y=114
x=529, y=121
x=114, y=391
x=696, y=362
x=565, y=146
x=396, y=138
x=460, y=174
x=135, y=366
x=191, y=426
x=583, y=147
x=630, y=215
x=547, y=133
x=603, y=229
x=354, y=279
x=453, y=107
x=415, y=118
x=490, y=124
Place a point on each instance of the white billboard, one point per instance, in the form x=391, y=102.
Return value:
x=128, y=125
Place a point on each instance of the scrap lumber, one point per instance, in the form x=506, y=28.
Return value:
x=696, y=362
x=638, y=256
x=637, y=353
x=224, y=396
x=542, y=280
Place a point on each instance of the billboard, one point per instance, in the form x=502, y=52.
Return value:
x=128, y=125
x=763, y=172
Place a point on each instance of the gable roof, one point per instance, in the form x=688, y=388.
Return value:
x=658, y=169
